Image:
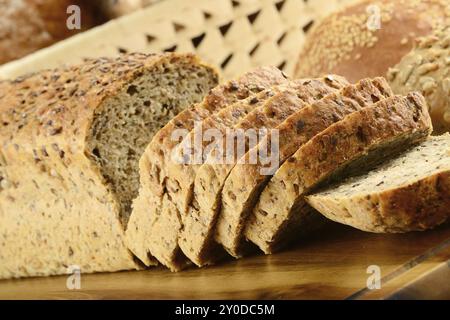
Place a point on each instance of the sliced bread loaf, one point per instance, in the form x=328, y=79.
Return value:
x=243, y=185
x=70, y=142
x=153, y=177
x=166, y=227
x=294, y=96
x=408, y=193
x=181, y=176
x=356, y=142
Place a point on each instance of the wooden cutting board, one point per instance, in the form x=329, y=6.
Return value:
x=331, y=265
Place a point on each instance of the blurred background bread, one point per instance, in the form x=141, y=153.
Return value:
x=348, y=42
x=427, y=69
x=29, y=25
x=354, y=43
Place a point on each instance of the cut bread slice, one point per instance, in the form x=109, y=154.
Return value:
x=293, y=97
x=357, y=142
x=181, y=176
x=242, y=187
x=148, y=204
x=408, y=193
x=70, y=143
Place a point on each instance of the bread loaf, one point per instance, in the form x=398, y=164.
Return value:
x=246, y=180
x=365, y=39
x=199, y=216
x=427, y=69
x=362, y=138
x=70, y=143
x=145, y=235
x=29, y=25
x=408, y=193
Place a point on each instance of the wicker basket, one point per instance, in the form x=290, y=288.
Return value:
x=235, y=35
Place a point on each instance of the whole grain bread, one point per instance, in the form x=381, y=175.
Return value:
x=70, y=143
x=273, y=111
x=144, y=237
x=427, y=69
x=287, y=99
x=244, y=183
x=408, y=193
x=355, y=143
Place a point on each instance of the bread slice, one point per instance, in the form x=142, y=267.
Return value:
x=354, y=143
x=408, y=193
x=152, y=166
x=293, y=97
x=243, y=185
x=70, y=143
x=181, y=176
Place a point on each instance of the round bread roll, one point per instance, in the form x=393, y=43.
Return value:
x=427, y=69
x=350, y=44
x=29, y=25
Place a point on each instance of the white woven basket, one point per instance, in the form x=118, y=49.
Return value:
x=235, y=35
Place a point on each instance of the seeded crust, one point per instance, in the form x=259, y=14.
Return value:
x=197, y=228
x=57, y=208
x=355, y=143
x=140, y=234
x=343, y=44
x=245, y=182
x=409, y=193
x=427, y=69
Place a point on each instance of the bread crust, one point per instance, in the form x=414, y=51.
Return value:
x=395, y=122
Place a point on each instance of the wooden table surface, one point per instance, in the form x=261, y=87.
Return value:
x=331, y=265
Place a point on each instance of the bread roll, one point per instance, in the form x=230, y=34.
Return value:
x=427, y=69
x=343, y=44
x=29, y=25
